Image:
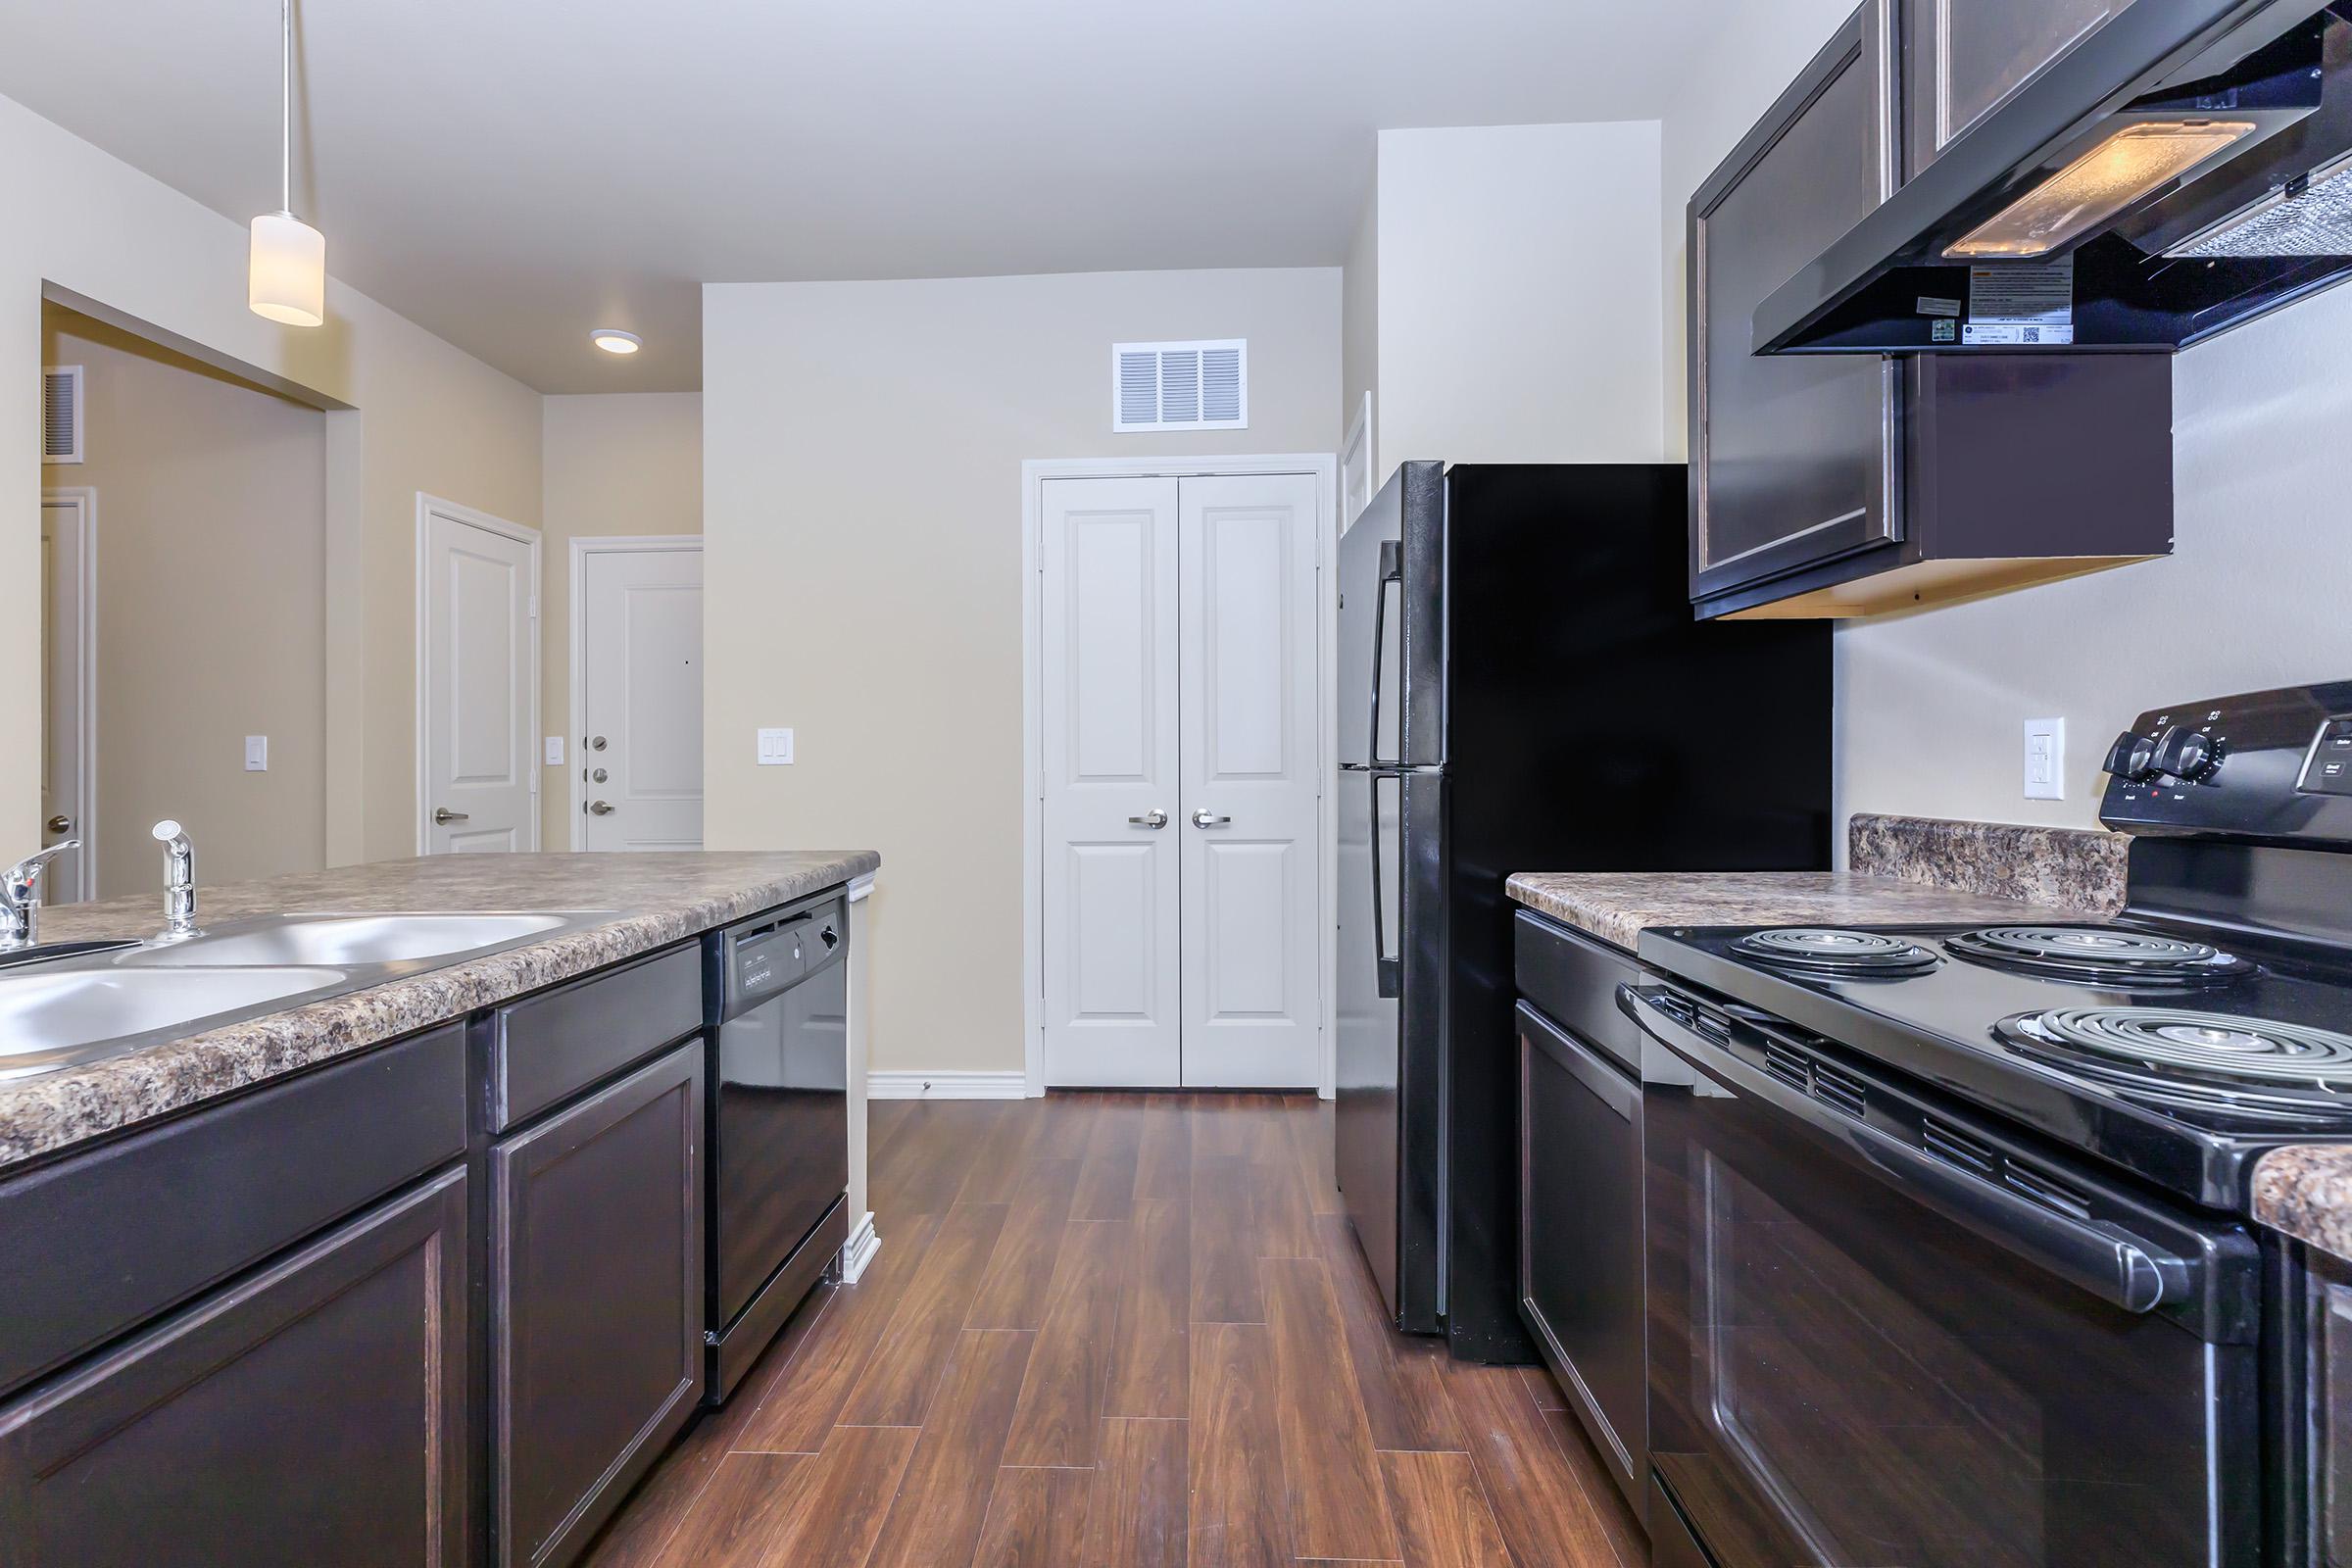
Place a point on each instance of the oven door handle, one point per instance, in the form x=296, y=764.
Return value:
x=2119, y=1268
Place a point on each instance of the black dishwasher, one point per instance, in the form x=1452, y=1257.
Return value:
x=779, y=1131
x=1580, y=1187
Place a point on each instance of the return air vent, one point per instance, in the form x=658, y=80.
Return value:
x=1180, y=386
x=1956, y=1147
x=61, y=414
x=2047, y=1191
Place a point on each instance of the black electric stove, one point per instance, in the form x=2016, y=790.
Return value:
x=1949, y=1241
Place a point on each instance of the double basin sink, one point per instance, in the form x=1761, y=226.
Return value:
x=67, y=1011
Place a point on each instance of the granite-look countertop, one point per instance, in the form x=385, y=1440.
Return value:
x=657, y=900
x=2305, y=1191
x=1618, y=906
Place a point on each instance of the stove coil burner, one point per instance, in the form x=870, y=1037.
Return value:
x=2166, y=1040
x=2094, y=954
x=1829, y=950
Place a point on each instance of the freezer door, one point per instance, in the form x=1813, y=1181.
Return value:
x=1388, y=1123
x=1393, y=625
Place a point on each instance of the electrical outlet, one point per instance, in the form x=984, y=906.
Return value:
x=776, y=747
x=257, y=754
x=2045, y=758
x=555, y=751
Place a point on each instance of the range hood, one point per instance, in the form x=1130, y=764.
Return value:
x=2186, y=166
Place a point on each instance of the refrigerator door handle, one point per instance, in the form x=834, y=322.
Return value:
x=1389, y=968
x=1391, y=570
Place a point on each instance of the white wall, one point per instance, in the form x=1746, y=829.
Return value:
x=1517, y=294
x=862, y=445
x=428, y=418
x=622, y=463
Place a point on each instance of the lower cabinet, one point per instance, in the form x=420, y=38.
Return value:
x=311, y=1412
x=595, y=1298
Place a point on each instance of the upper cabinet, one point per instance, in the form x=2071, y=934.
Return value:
x=1850, y=484
x=1962, y=58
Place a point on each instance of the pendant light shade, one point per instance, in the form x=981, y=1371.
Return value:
x=287, y=273
x=286, y=267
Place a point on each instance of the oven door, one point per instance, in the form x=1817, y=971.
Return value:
x=1884, y=1330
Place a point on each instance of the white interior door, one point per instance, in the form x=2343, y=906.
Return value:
x=641, y=698
x=1251, y=771
x=1108, y=641
x=68, y=786
x=478, y=700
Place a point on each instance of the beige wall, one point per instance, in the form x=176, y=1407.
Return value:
x=211, y=577
x=428, y=418
x=1359, y=327
x=627, y=462
x=862, y=445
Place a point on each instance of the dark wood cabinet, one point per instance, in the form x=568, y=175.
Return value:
x=311, y=1412
x=1963, y=58
x=595, y=1302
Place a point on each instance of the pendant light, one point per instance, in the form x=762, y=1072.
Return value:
x=286, y=275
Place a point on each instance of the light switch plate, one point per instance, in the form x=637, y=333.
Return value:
x=257, y=754
x=776, y=747
x=555, y=751
x=2045, y=758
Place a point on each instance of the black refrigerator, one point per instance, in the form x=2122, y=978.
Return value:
x=1523, y=688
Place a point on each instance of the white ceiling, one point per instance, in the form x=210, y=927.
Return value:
x=512, y=173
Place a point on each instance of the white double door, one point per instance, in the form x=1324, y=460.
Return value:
x=1181, y=876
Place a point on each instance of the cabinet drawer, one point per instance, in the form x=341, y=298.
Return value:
x=312, y=1413
x=1573, y=978
x=104, y=1240
x=550, y=1046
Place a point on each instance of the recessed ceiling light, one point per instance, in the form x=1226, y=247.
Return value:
x=613, y=340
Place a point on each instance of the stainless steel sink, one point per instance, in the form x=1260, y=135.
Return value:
x=50, y=1017
x=351, y=939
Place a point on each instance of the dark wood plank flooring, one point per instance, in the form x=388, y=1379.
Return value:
x=1119, y=1331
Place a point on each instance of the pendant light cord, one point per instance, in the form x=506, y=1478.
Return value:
x=285, y=99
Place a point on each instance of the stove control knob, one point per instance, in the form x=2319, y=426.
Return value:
x=2131, y=758
x=2188, y=754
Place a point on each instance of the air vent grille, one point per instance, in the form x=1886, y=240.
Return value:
x=1180, y=386
x=1836, y=1091
x=61, y=414
x=1788, y=1065
x=1956, y=1147
x=2047, y=1191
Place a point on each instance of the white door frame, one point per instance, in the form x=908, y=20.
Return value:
x=615, y=543
x=427, y=506
x=1035, y=471
x=85, y=810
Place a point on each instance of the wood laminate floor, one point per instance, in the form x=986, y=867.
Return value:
x=1114, y=1331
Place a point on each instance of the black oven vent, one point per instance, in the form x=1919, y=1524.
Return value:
x=2047, y=1191
x=1955, y=1147
x=1802, y=1071
x=1789, y=1065
x=1836, y=1091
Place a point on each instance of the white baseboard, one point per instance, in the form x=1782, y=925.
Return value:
x=928, y=1085
x=859, y=1251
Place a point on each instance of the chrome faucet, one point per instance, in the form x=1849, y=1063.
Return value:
x=179, y=884
x=20, y=897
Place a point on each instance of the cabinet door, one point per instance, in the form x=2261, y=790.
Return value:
x=1961, y=58
x=313, y=1412
x=1793, y=456
x=1580, y=1238
x=596, y=1294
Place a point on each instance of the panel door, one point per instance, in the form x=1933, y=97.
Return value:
x=642, y=678
x=1108, y=638
x=65, y=678
x=480, y=669
x=1248, y=797
x=313, y=1412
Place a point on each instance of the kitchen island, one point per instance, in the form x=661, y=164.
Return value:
x=413, y=1270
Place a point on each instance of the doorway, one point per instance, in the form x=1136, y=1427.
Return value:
x=68, y=681
x=637, y=693
x=1178, y=863
x=478, y=681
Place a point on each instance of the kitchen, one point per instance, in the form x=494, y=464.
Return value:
x=2078, y=1310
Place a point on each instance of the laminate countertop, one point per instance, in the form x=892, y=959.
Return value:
x=1618, y=906
x=654, y=900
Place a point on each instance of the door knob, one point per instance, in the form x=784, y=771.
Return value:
x=1207, y=819
x=600, y=807
x=1154, y=819
x=61, y=823
x=443, y=815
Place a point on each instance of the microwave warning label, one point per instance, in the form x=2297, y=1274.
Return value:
x=2016, y=303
